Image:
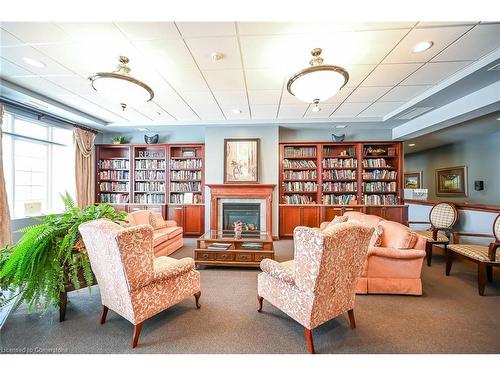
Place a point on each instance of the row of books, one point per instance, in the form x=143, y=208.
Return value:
x=150, y=186
x=339, y=186
x=300, y=175
x=186, y=164
x=113, y=175
x=300, y=151
x=149, y=175
x=346, y=174
x=379, y=187
x=113, y=198
x=331, y=151
x=113, y=164
x=150, y=164
x=185, y=186
x=299, y=163
x=379, y=174
x=153, y=198
x=300, y=186
x=185, y=175
x=373, y=199
x=114, y=186
x=340, y=163
x=298, y=199
x=187, y=198
x=375, y=163
x=338, y=199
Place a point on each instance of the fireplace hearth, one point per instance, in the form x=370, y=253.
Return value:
x=247, y=213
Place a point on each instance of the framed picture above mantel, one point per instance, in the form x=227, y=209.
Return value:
x=241, y=161
x=451, y=182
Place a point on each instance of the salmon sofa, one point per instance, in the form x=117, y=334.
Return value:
x=167, y=236
x=395, y=257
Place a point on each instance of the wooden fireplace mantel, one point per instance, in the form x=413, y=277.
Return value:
x=243, y=191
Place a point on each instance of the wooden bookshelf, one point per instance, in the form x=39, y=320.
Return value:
x=150, y=164
x=347, y=176
x=112, y=182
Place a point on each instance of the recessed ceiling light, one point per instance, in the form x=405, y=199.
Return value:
x=143, y=129
x=33, y=62
x=423, y=46
x=341, y=126
x=216, y=56
x=411, y=144
x=237, y=111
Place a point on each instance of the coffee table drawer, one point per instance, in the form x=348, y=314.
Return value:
x=244, y=257
x=205, y=256
x=224, y=256
x=259, y=257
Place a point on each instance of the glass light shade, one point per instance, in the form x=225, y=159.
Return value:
x=318, y=85
x=121, y=90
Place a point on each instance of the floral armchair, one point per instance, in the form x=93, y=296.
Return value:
x=132, y=282
x=320, y=283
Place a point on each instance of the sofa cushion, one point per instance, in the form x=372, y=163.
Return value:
x=336, y=220
x=354, y=215
x=164, y=234
x=142, y=217
x=397, y=235
x=129, y=221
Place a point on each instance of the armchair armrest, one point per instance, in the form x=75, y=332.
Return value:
x=277, y=270
x=182, y=266
x=390, y=252
x=323, y=225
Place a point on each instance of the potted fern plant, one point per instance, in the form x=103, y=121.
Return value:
x=50, y=256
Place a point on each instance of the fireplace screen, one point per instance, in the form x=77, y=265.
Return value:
x=247, y=213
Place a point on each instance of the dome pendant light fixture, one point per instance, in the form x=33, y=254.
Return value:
x=318, y=82
x=121, y=86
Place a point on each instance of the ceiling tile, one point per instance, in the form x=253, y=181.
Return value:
x=230, y=115
x=432, y=73
x=357, y=73
x=288, y=98
x=85, y=31
x=173, y=104
x=206, y=29
x=7, y=39
x=220, y=80
x=8, y=69
x=233, y=99
x=349, y=109
x=264, y=96
x=264, y=79
x=481, y=40
x=442, y=37
x=134, y=116
x=202, y=49
x=266, y=52
x=203, y=103
x=326, y=110
x=264, y=111
x=36, y=32
x=403, y=93
x=380, y=109
x=423, y=24
x=149, y=30
x=340, y=96
x=88, y=106
x=292, y=111
x=154, y=112
x=186, y=80
x=367, y=94
x=390, y=74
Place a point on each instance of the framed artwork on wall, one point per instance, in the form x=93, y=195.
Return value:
x=241, y=161
x=451, y=182
x=413, y=180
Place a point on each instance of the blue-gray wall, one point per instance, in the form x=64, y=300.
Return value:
x=481, y=155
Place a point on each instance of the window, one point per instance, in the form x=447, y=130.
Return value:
x=38, y=165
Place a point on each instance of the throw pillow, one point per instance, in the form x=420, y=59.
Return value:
x=376, y=239
x=157, y=221
x=332, y=224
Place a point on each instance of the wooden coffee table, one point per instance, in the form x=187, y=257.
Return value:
x=245, y=251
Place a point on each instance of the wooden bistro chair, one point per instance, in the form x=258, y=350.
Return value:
x=442, y=218
x=486, y=257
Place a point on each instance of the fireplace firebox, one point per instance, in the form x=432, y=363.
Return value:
x=247, y=213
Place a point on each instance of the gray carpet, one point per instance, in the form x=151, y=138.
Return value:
x=449, y=318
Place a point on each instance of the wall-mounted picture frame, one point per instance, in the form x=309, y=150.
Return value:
x=413, y=180
x=451, y=182
x=241, y=161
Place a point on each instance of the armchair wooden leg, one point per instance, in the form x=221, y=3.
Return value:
x=104, y=314
x=489, y=273
x=428, y=253
x=309, y=340
x=352, y=322
x=63, y=301
x=481, y=277
x=449, y=261
x=197, y=296
x=260, y=300
x=137, y=332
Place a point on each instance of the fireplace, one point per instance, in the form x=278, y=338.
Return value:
x=247, y=213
